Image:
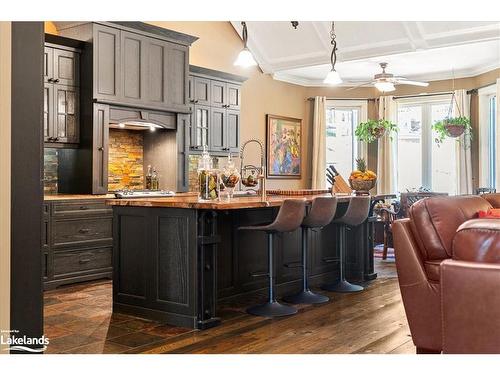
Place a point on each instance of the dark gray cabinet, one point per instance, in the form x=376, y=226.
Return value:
x=216, y=104
x=134, y=67
x=61, y=96
x=183, y=126
x=106, y=63
x=137, y=65
x=200, y=125
x=76, y=241
x=100, y=148
x=199, y=90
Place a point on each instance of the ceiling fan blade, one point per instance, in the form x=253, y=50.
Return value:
x=358, y=86
x=403, y=81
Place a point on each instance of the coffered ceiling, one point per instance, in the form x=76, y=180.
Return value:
x=417, y=50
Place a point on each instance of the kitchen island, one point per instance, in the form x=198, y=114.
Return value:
x=174, y=258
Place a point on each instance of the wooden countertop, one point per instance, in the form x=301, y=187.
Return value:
x=191, y=201
x=63, y=197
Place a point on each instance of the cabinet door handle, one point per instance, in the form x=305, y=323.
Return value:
x=56, y=80
x=50, y=80
x=84, y=230
x=100, y=148
x=83, y=261
x=56, y=139
x=84, y=208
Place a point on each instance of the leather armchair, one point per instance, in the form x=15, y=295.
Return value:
x=441, y=253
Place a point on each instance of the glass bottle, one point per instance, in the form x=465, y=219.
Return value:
x=155, y=180
x=149, y=179
x=208, y=178
x=230, y=176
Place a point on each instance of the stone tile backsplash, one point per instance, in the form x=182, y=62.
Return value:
x=50, y=164
x=126, y=160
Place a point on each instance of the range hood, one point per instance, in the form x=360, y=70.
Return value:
x=140, y=119
x=136, y=125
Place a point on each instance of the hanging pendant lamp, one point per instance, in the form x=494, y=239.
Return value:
x=245, y=57
x=333, y=77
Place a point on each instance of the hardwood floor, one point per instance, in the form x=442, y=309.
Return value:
x=78, y=319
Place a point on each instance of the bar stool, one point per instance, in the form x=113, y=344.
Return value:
x=289, y=218
x=321, y=213
x=357, y=213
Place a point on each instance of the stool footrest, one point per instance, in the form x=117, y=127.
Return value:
x=330, y=260
x=259, y=274
x=294, y=265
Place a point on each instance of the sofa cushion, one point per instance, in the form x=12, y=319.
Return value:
x=435, y=222
x=494, y=199
x=432, y=270
x=478, y=240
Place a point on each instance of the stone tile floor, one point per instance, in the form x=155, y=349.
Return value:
x=79, y=319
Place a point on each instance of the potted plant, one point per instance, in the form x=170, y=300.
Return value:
x=452, y=127
x=374, y=129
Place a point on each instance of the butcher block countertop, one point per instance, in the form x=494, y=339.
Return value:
x=64, y=197
x=189, y=200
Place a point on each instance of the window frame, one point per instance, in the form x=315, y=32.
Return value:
x=426, y=138
x=362, y=106
x=488, y=140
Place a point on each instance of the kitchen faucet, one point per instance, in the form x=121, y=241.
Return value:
x=261, y=170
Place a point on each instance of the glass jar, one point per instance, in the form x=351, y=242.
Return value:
x=208, y=178
x=230, y=176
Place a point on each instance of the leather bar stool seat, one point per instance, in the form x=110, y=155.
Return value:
x=356, y=214
x=320, y=214
x=289, y=219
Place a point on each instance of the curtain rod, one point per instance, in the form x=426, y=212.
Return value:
x=312, y=98
x=422, y=95
x=473, y=91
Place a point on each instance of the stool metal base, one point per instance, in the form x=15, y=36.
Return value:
x=272, y=309
x=306, y=297
x=343, y=286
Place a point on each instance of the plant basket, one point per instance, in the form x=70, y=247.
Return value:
x=361, y=185
x=378, y=132
x=454, y=130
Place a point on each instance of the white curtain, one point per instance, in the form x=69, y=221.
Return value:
x=463, y=148
x=497, y=185
x=386, y=160
x=319, y=144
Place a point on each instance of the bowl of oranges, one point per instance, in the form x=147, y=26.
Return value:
x=362, y=180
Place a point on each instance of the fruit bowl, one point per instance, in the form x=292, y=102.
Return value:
x=359, y=184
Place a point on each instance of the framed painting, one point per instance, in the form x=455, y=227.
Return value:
x=283, y=147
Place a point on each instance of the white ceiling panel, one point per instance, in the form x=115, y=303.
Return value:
x=417, y=50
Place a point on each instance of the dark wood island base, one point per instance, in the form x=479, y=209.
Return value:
x=175, y=258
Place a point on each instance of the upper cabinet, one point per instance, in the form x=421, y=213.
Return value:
x=136, y=64
x=61, y=95
x=215, y=98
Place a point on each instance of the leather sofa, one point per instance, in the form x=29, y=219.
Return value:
x=448, y=265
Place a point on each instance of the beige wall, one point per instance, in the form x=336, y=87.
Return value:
x=217, y=48
x=5, y=97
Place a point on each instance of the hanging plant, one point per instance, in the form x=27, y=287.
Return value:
x=372, y=130
x=452, y=127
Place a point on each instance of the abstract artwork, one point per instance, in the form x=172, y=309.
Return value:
x=284, y=148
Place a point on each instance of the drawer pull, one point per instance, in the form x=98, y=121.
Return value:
x=84, y=208
x=83, y=261
x=84, y=230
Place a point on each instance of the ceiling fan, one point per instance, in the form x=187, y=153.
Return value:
x=385, y=81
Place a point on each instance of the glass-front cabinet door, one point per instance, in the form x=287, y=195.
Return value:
x=199, y=127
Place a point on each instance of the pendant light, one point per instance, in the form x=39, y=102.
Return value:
x=333, y=77
x=245, y=57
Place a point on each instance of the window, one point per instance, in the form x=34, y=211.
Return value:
x=488, y=137
x=342, y=147
x=421, y=162
x=492, y=136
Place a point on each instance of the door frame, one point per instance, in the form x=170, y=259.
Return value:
x=26, y=301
